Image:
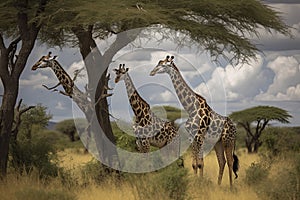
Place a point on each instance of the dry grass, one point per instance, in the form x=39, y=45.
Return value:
x=72, y=160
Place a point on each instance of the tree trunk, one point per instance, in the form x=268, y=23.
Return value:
x=96, y=67
x=248, y=142
x=257, y=144
x=6, y=121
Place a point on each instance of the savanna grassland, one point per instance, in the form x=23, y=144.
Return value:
x=71, y=173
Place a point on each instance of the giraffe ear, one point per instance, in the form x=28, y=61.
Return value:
x=127, y=69
x=115, y=70
x=54, y=57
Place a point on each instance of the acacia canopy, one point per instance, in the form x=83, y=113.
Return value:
x=217, y=26
x=261, y=113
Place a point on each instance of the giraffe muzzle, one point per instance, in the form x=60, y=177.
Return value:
x=34, y=67
x=153, y=72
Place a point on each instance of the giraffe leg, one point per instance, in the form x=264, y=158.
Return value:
x=221, y=160
x=229, y=158
x=195, y=157
x=201, y=165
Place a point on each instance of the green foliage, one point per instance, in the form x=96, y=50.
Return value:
x=123, y=139
x=269, y=113
x=35, y=154
x=215, y=25
x=68, y=128
x=286, y=184
x=279, y=140
x=281, y=184
x=68, y=178
x=168, y=183
x=32, y=121
x=260, y=116
x=174, y=181
x=171, y=113
x=277, y=174
x=41, y=194
x=95, y=172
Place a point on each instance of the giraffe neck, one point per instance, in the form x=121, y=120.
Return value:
x=139, y=106
x=188, y=98
x=60, y=73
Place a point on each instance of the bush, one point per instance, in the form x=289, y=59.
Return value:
x=285, y=184
x=174, y=181
x=95, y=172
x=281, y=139
x=68, y=178
x=123, y=139
x=256, y=173
x=34, y=154
x=168, y=183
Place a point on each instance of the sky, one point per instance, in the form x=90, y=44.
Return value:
x=272, y=79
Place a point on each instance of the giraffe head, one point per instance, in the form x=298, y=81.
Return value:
x=43, y=62
x=120, y=73
x=163, y=66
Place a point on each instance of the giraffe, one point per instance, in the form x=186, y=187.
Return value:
x=70, y=89
x=148, y=128
x=203, y=123
x=64, y=78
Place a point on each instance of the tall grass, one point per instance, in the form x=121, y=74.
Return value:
x=168, y=183
x=272, y=176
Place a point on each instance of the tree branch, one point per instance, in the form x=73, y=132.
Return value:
x=247, y=128
x=15, y=130
x=2, y=45
x=13, y=44
x=263, y=126
x=257, y=127
x=121, y=41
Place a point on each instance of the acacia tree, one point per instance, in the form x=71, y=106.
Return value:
x=217, y=26
x=254, y=121
x=19, y=22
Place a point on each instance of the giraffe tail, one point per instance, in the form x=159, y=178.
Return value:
x=235, y=165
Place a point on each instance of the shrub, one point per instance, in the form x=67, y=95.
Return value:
x=256, y=173
x=281, y=139
x=285, y=184
x=168, y=183
x=34, y=154
x=174, y=181
x=68, y=178
x=95, y=172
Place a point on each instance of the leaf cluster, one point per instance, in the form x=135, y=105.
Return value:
x=214, y=25
x=258, y=113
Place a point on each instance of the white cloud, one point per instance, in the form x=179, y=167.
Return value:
x=36, y=80
x=60, y=106
x=163, y=97
x=286, y=83
x=234, y=83
x=82, y=78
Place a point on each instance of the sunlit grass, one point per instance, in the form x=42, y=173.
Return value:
x=72, y=159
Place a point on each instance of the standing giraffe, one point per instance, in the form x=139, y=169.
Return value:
x=148, y=128
x=203, y=124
